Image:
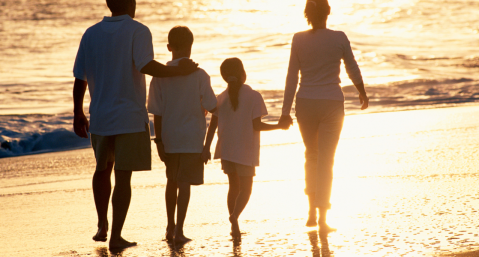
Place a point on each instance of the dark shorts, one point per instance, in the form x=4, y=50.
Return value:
x=185, y=167
x=233, y=167
x=129, y=152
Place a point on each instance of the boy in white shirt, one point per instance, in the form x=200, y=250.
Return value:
x=180, y=127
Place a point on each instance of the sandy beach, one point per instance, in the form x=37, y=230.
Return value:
x=405, y=184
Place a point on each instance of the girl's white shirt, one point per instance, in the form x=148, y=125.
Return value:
x=237, y=140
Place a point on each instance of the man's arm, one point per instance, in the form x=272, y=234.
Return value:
x=206, y=154
x=156, y=69
x=80, y=122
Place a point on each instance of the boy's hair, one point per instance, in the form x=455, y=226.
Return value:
x=316, y=10
x=180, y=37
x=118, y=5
x=232, y=71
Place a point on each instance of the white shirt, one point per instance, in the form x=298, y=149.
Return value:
x=178, y=101
x=110, y=57
x=237, y=140
x=318, y=56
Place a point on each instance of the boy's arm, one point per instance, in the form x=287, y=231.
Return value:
x=258, y=125
x=158, y=140
x=80, y=122
x=206, y=154
x=156, y=69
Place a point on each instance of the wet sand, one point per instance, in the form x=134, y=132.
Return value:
x=405, y=185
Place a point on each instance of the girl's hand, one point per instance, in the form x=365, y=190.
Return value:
x=205, y=155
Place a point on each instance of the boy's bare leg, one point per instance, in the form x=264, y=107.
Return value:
x=170, y=199
x=182, y=203
x=121, y=203
x=233, y=191
x=312, y=211
x=246, y=186
x=101, y=194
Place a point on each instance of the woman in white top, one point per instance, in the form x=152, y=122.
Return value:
x=317, y=53
x=238, y=119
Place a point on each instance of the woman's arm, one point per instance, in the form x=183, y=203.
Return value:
x=292, y=79
x=354, y=73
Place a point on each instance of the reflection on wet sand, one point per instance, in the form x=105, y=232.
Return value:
x=317, y=251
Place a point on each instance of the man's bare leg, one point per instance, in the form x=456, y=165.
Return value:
x=121, y=203
x=323, y=226
x=312, y=217
x=245, y=188
x=170, y=199
x=182, y=203
x=101, y=193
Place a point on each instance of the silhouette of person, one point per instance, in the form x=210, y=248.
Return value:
x=112, y=59
x=317, y=53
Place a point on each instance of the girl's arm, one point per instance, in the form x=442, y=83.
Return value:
x=206, y=154
x=258, y=125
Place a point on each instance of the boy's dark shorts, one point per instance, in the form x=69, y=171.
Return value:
x=185, y=167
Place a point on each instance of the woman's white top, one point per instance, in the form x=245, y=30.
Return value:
x=237, y=140
x=317, y=54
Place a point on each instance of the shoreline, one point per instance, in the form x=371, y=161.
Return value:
x=404, y=184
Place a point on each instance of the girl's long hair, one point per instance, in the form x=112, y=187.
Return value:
x=232, y=71
x=316, y=11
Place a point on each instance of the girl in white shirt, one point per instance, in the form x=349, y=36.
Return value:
x=238, y=119
x=317, y=53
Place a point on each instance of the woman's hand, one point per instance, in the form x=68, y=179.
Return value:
x=285, y=119
x=364, y=101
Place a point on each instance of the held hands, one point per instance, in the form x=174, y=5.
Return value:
x=364, y=101
x=285, y=121
x=187, y=66
x=80, y=125
x=205, y=155
x=161, y=151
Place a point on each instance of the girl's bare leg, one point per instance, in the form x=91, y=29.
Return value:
x=245, y=188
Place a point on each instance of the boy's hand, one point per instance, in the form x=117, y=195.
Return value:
x=206, y=155
x=364, y=101
x=161, y=151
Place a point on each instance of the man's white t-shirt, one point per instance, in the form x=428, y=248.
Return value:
x=237, y=140
x=110, y=57
x=178, y=100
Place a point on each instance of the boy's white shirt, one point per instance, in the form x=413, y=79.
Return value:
x=110, y=57
x=178, y=101
x=237, y=140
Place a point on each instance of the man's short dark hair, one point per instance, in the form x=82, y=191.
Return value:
x=180, y=37
x=118, y=5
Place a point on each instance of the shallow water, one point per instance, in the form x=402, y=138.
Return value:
x=405, y=185
x=413, y=54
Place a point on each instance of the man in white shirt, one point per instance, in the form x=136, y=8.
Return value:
x=112, y=59
x=180, y=128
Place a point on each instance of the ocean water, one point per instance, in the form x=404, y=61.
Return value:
x=413, y=54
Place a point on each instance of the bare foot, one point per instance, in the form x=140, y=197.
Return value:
x=311, y=221
x=325, y=229
x=120, y=243
x=235, y=230
x=181, y=239
x=170, y=233
x=102, y=233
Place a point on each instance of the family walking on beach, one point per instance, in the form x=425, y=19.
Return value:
x=112, y=59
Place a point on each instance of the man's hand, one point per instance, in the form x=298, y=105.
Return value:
x=161, y=151
x=205, y=155
x=364, y=101
x=187, y=66
x=80, y=125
